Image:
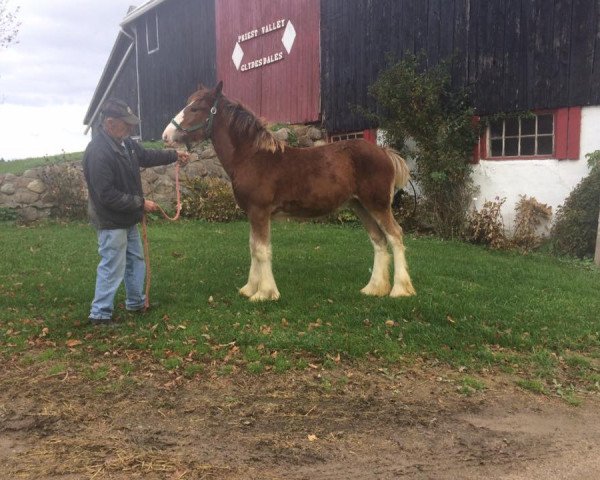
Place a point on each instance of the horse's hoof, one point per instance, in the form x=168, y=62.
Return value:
x=247, y=290
x=265, y=296
x=399, y=291
x=376, y=290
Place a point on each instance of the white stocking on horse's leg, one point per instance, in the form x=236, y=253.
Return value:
x=252, y=285
x=379, y=284
x=403, y=286
x=261, y=283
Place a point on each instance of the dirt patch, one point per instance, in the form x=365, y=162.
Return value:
x=343, y=424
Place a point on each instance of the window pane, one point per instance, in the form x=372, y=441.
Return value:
x=511, y=147
x=528, y=146
x=496, y=128
x=528, y=126
x=496, y=146
x=152, y=32
x=545, y=146
x=545, y=124
x=512, y=127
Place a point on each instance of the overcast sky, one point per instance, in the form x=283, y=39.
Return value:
x=48, y=78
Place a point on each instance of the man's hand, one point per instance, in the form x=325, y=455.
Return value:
x=150, y=206
x=183, y=157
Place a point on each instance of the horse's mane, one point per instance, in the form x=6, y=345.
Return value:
x=245, y=126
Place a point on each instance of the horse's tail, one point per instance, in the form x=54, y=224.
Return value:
x=402, y=172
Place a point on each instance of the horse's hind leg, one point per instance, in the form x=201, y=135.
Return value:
x=379, y=284
x=261, y=283
x=402, y=284
x=251, y=286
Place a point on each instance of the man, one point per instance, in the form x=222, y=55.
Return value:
x=111, y=165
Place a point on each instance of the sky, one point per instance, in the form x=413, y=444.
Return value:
x=48, y=78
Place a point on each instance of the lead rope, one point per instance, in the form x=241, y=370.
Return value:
x=145, y=235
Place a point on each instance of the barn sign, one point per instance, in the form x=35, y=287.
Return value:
x=268, y=56
x=287, y=41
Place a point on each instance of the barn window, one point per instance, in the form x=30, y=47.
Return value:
x=345, y=136
x=369, y=135
x=552, y=134
x=525, y=136
x=152, y=32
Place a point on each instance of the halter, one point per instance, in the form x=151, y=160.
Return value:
x=207, y=125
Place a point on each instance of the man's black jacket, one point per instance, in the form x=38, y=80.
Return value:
x=112, y=173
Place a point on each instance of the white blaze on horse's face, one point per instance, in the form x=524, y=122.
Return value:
x=171, y=134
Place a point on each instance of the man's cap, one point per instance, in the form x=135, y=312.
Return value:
x=116, y=108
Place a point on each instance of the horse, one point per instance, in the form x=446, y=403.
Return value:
x=271, y=179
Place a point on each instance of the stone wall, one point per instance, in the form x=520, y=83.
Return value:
x=31, y=196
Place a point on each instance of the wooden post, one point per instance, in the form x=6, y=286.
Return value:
x=597, y=255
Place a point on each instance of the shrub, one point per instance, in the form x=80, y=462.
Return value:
x=575, y=229
x=210, y=199
x=486, y=226
x=66, y=191
x=531, y=215
x=419, y=104
x=8, y=214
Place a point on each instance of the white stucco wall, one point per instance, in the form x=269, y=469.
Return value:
x=549, y=181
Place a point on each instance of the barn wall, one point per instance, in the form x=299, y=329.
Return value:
x=125, y=88
x=284, y=86
x=185, y=58
x=516, y=54
x=554, y=179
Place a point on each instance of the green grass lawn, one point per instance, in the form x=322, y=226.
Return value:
x=18, y=167
x=531, y=316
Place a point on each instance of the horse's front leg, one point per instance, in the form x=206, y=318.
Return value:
x=261, y=283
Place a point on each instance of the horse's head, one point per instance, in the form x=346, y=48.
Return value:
x=194, y=123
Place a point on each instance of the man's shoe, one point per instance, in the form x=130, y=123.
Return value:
x=102, y=322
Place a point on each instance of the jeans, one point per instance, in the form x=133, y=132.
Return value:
x=122, y=259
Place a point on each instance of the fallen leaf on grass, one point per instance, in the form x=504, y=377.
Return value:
x=266, y=329
x=73, y=343
x=312, y=438
x=336, y=359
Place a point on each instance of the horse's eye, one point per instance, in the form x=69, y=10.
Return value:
x=194, y=109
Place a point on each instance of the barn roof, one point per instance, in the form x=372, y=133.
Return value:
x=139, y=11
x=117, y=57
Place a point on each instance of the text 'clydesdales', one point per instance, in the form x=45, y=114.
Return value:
x=289, y=35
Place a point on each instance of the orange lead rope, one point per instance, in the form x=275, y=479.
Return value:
x=145, y=235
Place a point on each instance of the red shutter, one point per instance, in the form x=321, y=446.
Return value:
x=370, y=135
x=567, y=133
x=479, y=150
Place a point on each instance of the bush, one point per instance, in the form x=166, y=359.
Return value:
x=210, y=199
x=66, y=191
x=8, y=214
x=575, y=229
x=531, y=215
x=486, y=227
x=419, y=104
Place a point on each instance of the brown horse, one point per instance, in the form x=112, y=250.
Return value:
x=269, y=178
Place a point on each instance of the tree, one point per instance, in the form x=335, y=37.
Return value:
x=420, y=104
x=9, y=26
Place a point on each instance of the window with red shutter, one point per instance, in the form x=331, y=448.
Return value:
x=551, y=134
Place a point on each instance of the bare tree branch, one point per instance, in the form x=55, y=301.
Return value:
x=9, y=24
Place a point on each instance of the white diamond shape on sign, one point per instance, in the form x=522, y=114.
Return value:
x=289, y=36
x=237, y=56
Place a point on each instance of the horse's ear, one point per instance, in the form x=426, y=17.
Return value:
x=219, y=88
